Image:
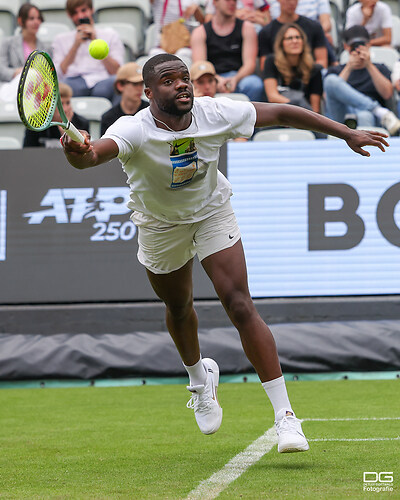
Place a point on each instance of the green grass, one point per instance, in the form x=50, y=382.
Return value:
x=141, y=442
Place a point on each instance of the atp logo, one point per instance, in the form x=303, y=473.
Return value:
x=3, y=224
x=75, y=205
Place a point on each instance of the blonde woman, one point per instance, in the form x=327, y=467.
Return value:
x=290, y=74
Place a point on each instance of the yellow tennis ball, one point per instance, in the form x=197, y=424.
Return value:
x=98, y=49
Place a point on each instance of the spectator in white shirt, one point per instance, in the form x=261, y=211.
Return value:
x=84, y=74
x=376, y=16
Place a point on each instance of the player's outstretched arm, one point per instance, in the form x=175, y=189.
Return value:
x=90, y=153
x=297, y=117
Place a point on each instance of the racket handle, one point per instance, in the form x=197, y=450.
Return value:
x=74, y=133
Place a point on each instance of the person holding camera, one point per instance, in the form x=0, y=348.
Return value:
x=360, y=87
x=85, y=75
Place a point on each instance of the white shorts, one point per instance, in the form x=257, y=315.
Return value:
x=164, y=247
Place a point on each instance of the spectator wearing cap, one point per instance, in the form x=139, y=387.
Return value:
x=129, y=84
x=204, y=79
x=375, y=16
x=360, y=87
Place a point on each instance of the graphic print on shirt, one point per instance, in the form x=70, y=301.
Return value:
x=184, y=159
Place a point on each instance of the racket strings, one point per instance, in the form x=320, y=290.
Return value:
x=39, y=94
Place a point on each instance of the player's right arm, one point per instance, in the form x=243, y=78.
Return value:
x=90, y=153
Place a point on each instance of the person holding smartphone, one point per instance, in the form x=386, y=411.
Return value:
x=85, y=75
x=360, y=87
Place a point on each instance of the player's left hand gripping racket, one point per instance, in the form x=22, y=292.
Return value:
x=38, y=96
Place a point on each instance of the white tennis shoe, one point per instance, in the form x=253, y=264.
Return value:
x=290, y=434
x=204, y=400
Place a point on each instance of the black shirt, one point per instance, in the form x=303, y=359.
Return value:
x=313, y=30
x=314, y=86
x=225, y=52
x=361, y=80
x=114, y=113
x=50, y=138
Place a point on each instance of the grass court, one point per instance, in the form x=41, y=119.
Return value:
x=142, y=443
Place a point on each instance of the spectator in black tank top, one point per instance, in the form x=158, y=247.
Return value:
x=313, y=30
x=230, y=44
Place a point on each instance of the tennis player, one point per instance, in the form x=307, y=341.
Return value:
x=180, y=203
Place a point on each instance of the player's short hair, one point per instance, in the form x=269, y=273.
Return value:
x=24, y=10
x=65, y=90
x=73, y=4
x=152, y=63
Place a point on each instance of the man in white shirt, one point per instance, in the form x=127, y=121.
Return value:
x=84, y=74
x=375, y=16
x=181, y=205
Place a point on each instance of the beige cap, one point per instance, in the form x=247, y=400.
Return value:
x=201, y=68
x=130, y=72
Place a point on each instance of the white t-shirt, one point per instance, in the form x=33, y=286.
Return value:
x=84, y=65
x=174, y=176
x=381, y=18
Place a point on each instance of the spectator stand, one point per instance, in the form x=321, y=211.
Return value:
x=134, y=12
x=54, y=12
x=92, y=108
x=8, y=16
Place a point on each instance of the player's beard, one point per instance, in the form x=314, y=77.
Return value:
x=170, y=107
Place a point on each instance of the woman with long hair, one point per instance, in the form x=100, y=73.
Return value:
x=15, y=49
x=290, y=74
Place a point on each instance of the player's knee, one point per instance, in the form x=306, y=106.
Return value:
x=240, y=308
x=181, y=309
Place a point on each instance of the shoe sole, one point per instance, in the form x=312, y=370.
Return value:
x=210, y=363
x=295, y=449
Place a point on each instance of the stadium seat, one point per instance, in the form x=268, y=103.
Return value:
x=8, y=16
x=54, y=12
x=10, y=122
x=337, y=15
x=236, y=96
x=396, y=32
x=382, y=55
x=10, y=143
x=150, y=37
x=394, y=6
x=48, y=30
x=127, y=33
x=284, y=135
x=92, y=109
x=142, y=60
x=135, y=12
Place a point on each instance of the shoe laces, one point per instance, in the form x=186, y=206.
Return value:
x=287, y=424
x=199, y=402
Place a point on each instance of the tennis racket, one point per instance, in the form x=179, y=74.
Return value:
x=38, y=96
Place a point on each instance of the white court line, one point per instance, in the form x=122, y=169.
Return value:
x=3, y=223
x=355, y=439
x=347, y=419
x=210, y=488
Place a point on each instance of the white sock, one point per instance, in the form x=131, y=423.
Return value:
x=277, y=393
x=197, y=373
x=379, y=112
